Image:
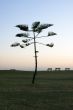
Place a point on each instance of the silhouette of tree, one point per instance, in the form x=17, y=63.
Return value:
x=36, y=29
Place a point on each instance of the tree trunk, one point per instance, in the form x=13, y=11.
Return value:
x=35, y=72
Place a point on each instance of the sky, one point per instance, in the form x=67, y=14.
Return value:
x=57, y=12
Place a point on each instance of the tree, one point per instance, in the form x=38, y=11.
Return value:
x=36, y=29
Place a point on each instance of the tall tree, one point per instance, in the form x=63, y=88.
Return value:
x=36, y=29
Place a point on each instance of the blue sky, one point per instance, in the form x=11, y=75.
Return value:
x=57, y=12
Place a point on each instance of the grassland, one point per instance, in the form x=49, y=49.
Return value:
x=51, y=91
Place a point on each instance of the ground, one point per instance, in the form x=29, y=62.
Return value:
x=51, y=91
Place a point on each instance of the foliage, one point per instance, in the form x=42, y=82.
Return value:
x=15, y=44
x=35, y=25
x=22, y=35
x=21, y=46
x=50, y=45
x=51, y=33
x=22, y=27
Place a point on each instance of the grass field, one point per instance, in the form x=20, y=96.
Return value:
x=51, y=91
